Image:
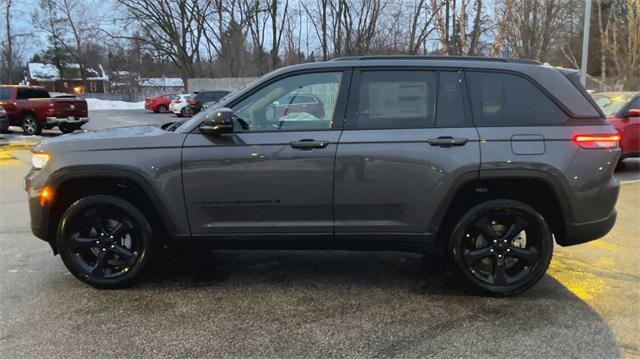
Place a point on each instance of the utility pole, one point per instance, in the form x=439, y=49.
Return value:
x=585, y=42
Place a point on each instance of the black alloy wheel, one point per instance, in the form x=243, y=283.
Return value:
x=502, y=247
x=162, y=109
x=104, y=241
x=30, y=125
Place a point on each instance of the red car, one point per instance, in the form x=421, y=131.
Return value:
x=623, y=112
x=33, y=109
x=159, y=103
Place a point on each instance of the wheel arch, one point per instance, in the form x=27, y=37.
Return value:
x=73, y=183
x=536, y=188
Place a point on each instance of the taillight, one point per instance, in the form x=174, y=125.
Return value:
x=193, y=102
x=610, y=140
x=178, y=101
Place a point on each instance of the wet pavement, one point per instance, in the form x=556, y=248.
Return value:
x=208, y=303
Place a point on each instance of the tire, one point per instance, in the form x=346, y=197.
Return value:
x=105, y=241
x=163, y=109
x=501, y=247
x=4, y=128
x=68, y=128
x=30, y=125
x=182, y=113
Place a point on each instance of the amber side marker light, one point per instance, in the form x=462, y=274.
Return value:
x=597, y=141
x=46, y=196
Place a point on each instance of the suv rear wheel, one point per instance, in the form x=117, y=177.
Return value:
x=501, y=247
x=68, y=127
x=104, y=241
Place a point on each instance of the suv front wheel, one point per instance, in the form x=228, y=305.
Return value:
x=104, y=241
x=501, y=247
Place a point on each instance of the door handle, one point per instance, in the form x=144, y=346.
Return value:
x=308, y=144
x=447, y=141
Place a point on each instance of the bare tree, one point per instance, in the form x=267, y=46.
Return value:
x=9, y=55
x=172, y=28
x=70, y=26
x=457, y=34
x=624, y=41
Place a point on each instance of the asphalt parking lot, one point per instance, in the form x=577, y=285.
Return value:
x=210, y=303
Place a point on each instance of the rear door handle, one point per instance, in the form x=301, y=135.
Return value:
x=308, y=144
x=447, y=141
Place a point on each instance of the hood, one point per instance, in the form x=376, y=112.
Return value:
x=131, y=137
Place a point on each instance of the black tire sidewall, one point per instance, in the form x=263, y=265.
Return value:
x=162, y=109
x=68, y=128
x=472, y=215
x=143, y=231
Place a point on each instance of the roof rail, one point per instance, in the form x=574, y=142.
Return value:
x=436, y=57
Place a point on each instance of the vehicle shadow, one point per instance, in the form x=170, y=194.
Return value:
x=17, y=131
x=385, y=303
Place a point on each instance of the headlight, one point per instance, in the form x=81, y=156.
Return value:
x=39, y=160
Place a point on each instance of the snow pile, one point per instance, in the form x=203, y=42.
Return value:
x=97, y=104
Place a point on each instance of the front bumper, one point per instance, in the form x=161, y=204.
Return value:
x=71, y=119
x=39, y=214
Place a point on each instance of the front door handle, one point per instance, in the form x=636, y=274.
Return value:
x=447, y=141
x=308, y=144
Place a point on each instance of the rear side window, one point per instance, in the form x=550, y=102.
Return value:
x=450, y=109
x=395, y=99
x=23, y=93
x=499, y=99
x=635, y=103
x=38, y=93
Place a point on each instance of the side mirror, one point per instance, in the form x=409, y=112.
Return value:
x=634, y=112
x=218, y=122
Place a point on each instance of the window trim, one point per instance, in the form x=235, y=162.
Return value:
x=338, y=113
x=355, y=92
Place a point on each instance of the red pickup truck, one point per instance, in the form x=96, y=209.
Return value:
x=31, y=108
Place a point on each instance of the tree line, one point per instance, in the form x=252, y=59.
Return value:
x=222, y=38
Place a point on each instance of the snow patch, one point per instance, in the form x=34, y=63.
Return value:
x=97, y=104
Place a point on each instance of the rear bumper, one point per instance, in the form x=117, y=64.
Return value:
x=585, y=232
x=59, y=120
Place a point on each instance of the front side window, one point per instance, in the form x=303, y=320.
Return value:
x=395, y=99
x=5, y=93
x=276, y=107
x=500, y=99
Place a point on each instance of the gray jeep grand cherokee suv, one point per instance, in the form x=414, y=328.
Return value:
x=488, y=161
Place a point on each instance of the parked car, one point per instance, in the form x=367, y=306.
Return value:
x=179, y=104
x=623, y=112
x=32, y=108
x=485, y=161
x=298, y=103
x=195, y=102
x=159, y=103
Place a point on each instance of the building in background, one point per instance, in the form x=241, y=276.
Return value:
x=150, y=87
x=47, y=75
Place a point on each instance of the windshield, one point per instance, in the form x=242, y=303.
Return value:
x=611, y=104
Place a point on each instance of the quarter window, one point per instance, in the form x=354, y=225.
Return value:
x=276, y=107
x=507, y=100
